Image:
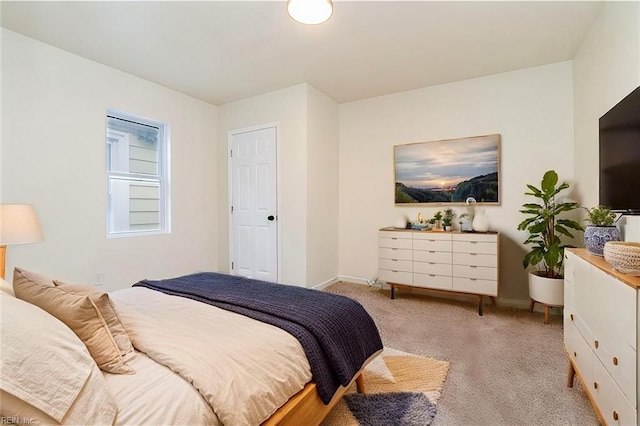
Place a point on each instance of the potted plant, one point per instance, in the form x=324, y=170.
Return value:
x=436, y=221
x=546, y=230
x=447, y=219
x=600, y=229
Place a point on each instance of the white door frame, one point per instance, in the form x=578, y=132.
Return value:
x=230, y=134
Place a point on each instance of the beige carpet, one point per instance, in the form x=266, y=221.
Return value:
x=507, y=367
x=392, y=372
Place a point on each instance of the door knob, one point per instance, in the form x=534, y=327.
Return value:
x=271, y=218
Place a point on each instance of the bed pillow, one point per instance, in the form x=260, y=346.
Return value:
x=82, y=316
x=46, y=372
x=104, y=305
x=22, y=275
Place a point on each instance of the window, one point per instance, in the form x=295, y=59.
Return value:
x=137, y=175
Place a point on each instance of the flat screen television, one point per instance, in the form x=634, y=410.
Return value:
x=620, y=156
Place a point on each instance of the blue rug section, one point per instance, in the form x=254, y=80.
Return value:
x=391, y=409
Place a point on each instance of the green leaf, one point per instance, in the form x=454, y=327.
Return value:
x=564, y=231
x=549, y=181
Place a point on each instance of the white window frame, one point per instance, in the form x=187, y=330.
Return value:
x=162, y=179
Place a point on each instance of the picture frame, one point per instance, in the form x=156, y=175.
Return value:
x=448, y=171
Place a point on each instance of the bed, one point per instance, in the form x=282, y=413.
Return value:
x=188, y=350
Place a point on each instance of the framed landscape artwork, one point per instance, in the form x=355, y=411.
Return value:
x=448, y=171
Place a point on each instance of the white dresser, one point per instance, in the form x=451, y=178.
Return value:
x=453, y=261
x=601, y=326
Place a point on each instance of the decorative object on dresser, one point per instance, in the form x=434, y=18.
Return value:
x=454, y=261
x=447, y=219
x=624, y=256
x=545, y=230
x=18, y=225
x=601, y=325
x=600, y=229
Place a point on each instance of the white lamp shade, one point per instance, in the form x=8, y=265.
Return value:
x=19, y=224
x=310, y=12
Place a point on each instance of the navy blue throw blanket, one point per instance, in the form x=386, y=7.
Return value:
x=336, y=332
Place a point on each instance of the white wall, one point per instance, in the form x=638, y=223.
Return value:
x=322, y=179
x=533, y=111
x=606, y=69
x=53, y=156
x=288, y=108
x=307, y=178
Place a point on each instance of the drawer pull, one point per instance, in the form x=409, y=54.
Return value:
x=394, y=238
x=473, y=254
x=615, y=415
x=571, y=316
x=473, y=279
x=473, y=242
x=394, y=260
x=394, y=271
x=596, y=344
x=575, y=355
x=394, y=249
x=615, y=360
x=595, y=385
x=432, y=263
x=432, y=275
x=472, y=266
x=431, y=251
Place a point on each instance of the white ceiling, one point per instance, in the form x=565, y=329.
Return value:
x=223, y=51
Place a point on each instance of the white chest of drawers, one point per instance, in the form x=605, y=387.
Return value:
x=601, y=326
x=451, y=261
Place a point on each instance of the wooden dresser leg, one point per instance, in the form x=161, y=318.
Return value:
x=360, y=383
x=571, y=375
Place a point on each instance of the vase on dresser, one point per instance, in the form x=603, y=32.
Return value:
x=595, y=238
x=480, y=221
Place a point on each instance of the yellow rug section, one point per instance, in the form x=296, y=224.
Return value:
x=395, y=371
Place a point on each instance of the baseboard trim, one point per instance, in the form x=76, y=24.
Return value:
x=326, y=284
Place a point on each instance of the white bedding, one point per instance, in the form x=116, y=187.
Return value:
x=156, y=396
x=243, y=368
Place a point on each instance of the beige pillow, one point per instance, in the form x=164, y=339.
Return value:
x=21, y=275
x=103, y=302
x=46, y=373
x=82, y=316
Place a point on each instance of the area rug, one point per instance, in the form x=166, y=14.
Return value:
x=401, y=389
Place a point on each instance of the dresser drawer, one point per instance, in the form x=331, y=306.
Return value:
x=475, y=286
x=481, y=272
x=485, y=238
x=620, y=362
x=432, y=245
x=432, y=268
x=614, y=406
x=475, y=259
x=395, y=253
x=475, y=247
x=401, y=243
x=402, y=235
x=433, y=236
x=397, y=277
x=579, y=351
x=440, y=282
x=395, y=265
x=432, y=256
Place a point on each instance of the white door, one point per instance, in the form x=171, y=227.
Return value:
x=254, y=220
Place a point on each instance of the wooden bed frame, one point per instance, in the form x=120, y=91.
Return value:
x=306, y=407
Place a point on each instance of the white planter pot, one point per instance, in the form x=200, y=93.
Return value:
x=549, y=291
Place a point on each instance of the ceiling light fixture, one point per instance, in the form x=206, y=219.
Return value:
x=310, y=12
